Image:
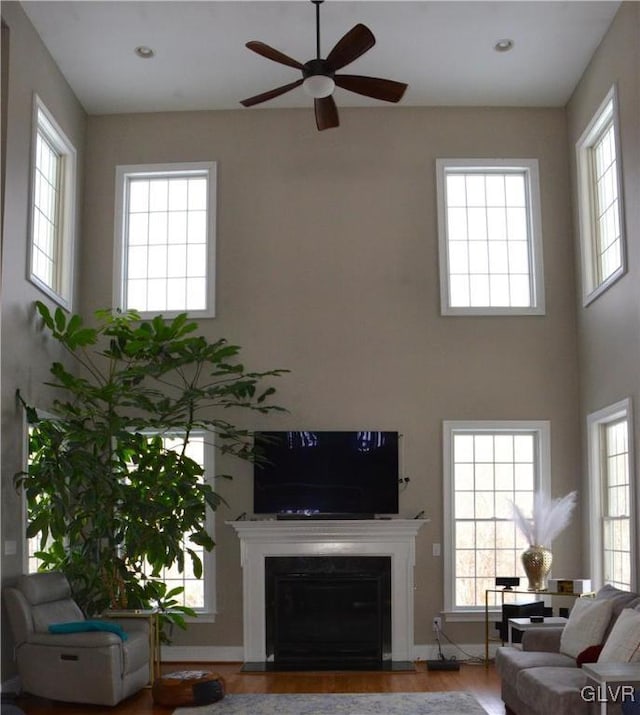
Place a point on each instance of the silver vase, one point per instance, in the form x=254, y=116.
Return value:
x=537, y=564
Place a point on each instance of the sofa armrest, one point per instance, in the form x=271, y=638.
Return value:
x=542, y=639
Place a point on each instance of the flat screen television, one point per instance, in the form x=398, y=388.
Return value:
x=305, y=474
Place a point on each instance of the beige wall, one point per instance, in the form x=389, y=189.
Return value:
x=25, y=357
x=609, y=328
x=328, y=266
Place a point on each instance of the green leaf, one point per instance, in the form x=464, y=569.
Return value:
x=74, y=323
x=45, y=314
x=84, y=337
x=175, y=591
x=60, y=320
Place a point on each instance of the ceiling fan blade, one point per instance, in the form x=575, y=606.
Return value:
x=355, y=43
x=265, y=96
x=326, y=113
x=272, y=54
x=386, y=89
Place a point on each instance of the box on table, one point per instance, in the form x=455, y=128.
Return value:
x=570, y=585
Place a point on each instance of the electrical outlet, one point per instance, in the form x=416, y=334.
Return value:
x=436, y=624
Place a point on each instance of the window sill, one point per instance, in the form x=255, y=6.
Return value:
x=170, y=314
x=450, y=311
x=58, y=299
x=588, y=298
x=203, y=617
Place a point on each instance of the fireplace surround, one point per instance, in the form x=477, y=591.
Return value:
x=264, y=539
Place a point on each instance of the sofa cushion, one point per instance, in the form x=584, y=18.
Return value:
x=623, y=643
x=41, y=588
x=586, y=626
x=619, y=599
x=552, y=690
x=55, y=612
x=510, y=661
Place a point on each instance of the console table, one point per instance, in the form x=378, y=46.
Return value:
x=343, y=537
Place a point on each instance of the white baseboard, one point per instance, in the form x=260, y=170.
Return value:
x=235, y=654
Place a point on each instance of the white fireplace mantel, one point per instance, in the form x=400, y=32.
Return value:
x=376, y=537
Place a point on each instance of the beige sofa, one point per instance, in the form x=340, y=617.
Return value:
x=540, y=680
x=85, y=667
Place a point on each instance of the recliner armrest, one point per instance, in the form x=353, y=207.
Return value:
x=91, y=639
x=542, y=639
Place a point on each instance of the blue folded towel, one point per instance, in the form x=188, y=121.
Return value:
x=84, y=626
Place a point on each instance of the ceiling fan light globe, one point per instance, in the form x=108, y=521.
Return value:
x=318, y=86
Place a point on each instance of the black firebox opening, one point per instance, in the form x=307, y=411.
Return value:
x=328, y=612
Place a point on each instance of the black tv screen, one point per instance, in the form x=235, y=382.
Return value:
x=316, y=473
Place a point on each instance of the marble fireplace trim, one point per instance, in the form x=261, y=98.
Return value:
x=377, y=537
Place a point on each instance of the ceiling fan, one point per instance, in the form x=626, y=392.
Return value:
x=319, y=76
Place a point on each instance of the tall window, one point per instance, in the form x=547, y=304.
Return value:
x=487, y=465
x=198, y=593
x=600, y=201
x=165, y=238
x=52, y=207
x=612, y=557
x=490, y=237
x=31, y=563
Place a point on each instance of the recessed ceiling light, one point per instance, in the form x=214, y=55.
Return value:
x=503, y=45
x=145, y=52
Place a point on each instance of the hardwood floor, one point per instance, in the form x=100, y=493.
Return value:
x=482, y=682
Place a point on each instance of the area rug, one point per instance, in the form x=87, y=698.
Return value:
x=453, y=703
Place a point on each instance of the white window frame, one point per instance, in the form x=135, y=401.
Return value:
x=591, y=285
x=527, y=167
x=595, y=422
x=61, y=290
x=126, y=172
x=542, y=431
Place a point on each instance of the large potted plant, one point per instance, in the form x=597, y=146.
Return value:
x=111, y=503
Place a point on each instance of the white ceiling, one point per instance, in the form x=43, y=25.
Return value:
x=443, y=50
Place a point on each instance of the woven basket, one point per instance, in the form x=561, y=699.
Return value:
x=188, y=687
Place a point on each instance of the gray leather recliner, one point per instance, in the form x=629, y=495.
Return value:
x=92, y=667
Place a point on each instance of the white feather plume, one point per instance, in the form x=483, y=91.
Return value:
x=549, y=517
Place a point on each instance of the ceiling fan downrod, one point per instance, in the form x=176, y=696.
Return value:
x=317, y=3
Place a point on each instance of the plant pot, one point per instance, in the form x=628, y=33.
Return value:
x=537, y=564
